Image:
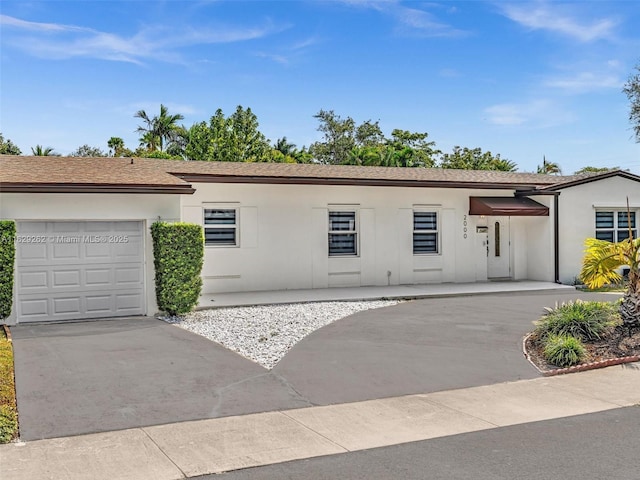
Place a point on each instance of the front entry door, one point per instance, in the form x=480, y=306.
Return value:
x=499, y=248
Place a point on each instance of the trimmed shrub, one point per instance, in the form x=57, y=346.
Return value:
x=586, y=321
x=564, y=350
x=178, y=253
x=7, y=261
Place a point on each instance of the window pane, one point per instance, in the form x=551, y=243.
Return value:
x=219, y=236
x=425, y=221
x=425, y=243
x=623, y=220
x=342, y=244
x=604, y=219
x=624, y=234
x=342, y=221
x=220, y=217
x=605, y=235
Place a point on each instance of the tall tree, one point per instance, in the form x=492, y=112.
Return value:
x=158, y=131
x=475, y=159
x=632, y=90
x=40, y=151
x=87, y=151
x=338, y=138
x=236, y=138
x=595, y=170
x=117, y=148
x=7, y=147
x=549, y=168
x=411, y=149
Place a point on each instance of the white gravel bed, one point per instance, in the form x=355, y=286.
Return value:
x=265, y=334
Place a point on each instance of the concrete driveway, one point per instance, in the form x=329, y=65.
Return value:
x=98, y=376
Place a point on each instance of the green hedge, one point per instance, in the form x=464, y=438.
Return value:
x=178, y=253
x=7, y=261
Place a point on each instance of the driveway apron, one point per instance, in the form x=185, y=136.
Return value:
x=86, y=377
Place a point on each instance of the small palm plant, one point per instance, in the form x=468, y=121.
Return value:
x=600, y=267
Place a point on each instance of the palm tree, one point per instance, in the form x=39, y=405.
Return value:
x=549, y=168
x=600, y=267
x=40, y=151
x=160, y=130
x=285, y=147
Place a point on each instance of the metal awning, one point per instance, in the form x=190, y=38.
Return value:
x=507, y=207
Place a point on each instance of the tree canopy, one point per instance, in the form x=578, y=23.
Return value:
x=87, y=151
x=475, y=159
x=7, y=147
x=40, y=151
x=632, y=90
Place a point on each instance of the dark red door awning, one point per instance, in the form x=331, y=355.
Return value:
x=507, y=207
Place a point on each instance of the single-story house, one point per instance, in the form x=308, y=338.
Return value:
x=84, y=249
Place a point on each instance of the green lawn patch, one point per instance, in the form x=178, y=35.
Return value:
x=8, y=408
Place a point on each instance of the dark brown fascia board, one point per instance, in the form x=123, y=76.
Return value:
x=94, y=188
x=530, y=193
x=208, y=178
x=594, y=178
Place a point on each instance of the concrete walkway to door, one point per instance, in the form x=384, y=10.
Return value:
x=409, y=292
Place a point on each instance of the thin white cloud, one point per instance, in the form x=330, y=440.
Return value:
x=533, y=114
x=559, y=19
x=411, y=20
x=584, y=82
x=59, y=41
x=424, y=23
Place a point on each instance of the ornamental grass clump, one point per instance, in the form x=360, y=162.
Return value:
x=586, y=321
x=564, y=350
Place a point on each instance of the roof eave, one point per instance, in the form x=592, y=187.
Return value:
x=213, y=178
x=94, y=188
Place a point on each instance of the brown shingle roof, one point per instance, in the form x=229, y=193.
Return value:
x=153, y=175
x=87, y=174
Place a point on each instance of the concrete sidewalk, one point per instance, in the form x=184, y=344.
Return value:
x=243, y=299
x=190, y=449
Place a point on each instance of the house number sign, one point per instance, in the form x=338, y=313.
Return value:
x=464, y=226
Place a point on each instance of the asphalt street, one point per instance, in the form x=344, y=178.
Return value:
x=586, y=447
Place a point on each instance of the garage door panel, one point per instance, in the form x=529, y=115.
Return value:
x=31, y=252
x=101, y=227
x=66, y=278
x=67, y=306
x=84, y=270
x=98, y=251
x=33, y=280
x=99, y=304
x=64, y=227
x=98, y=277
x=65, y=251
x=128, y=276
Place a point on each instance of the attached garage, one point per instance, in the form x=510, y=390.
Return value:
x=79, y=269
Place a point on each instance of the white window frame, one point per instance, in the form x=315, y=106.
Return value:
x=435, y=231
x=617, y=229
x=221, y=226
x=354, y=230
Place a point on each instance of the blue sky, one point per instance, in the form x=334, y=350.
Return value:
x=523, y=79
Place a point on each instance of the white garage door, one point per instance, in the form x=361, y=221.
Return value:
x=75, y=270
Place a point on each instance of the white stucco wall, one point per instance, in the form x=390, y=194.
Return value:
x=283, y=233
x=87, y=207
x=577, y=216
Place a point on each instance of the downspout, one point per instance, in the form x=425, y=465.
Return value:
x=556, y=239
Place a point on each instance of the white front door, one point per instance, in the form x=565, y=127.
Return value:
x=499, y=248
